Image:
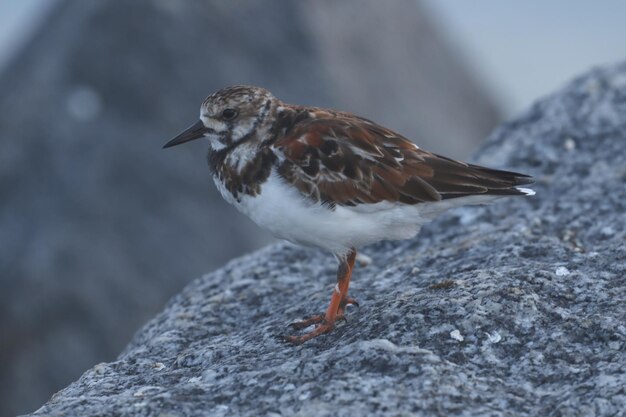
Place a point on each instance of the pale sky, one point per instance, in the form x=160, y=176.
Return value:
x=523, y=50
x=520, y=50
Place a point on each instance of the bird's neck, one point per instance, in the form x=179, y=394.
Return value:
x=243, y=168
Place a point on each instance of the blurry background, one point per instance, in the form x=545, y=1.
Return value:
x=99, y=226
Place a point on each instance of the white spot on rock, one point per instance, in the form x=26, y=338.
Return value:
x=456, y=335
x=562, y=271
x=101, y=368
x=363, y=259
x=493, y=337
x=389, y=346
x=158, y=366
x=569, y=144
x=143, y=391
x=209, y=375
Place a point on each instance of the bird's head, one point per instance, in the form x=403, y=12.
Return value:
x=229, y=116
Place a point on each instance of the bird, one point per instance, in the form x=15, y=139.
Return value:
x=332, y=180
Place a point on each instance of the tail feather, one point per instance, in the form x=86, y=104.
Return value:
x=487, y=181
x=454, y=179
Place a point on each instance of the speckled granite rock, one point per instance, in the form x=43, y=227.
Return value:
x=99, y=226
x=512, y=309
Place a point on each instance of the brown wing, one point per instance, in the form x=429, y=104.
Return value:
x=337, y=158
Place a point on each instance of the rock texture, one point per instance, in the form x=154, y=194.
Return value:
x=515, y=309
x=100, y=226
x=512, y=309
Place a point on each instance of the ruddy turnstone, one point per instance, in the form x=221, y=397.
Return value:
x=330, y=179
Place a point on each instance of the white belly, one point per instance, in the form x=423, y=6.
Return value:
x=283, y=211
x=288, y=215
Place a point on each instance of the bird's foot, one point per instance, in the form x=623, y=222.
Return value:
x=303, y=324
x=322, y=326
x=335, y=311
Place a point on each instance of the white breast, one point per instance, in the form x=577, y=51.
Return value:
x=283, y=211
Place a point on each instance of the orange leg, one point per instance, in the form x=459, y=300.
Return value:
x=335, y=310
x=345, y=300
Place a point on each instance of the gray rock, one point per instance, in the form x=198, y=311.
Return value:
x=512, y=309
x=100, y=226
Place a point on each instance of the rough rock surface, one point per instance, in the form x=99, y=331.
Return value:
x=99, y=226
x=512, y=309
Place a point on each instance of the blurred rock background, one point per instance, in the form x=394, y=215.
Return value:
x=99, y=226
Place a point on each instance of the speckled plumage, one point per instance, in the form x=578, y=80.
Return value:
x=331, y=179
x=535, y=343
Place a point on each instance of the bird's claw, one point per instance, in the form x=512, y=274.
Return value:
x=322, y=327
x=303, y=324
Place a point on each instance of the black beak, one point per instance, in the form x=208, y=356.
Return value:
x=195, y=131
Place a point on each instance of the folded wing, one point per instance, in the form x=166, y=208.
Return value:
x=339, y=159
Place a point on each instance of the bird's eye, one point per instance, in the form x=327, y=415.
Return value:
x=229, y=114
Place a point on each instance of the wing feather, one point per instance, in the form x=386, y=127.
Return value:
x=340, y=159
